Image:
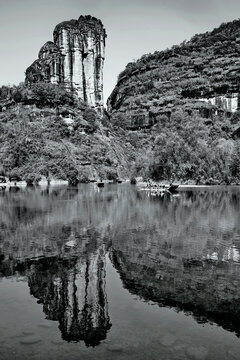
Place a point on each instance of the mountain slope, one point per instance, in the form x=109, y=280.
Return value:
x=73, y=145
x=181, y=108
x=202, y=74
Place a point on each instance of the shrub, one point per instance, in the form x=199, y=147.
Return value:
x=14, y=175
x=119, y=120
x=72, y=175
x=2, y=171
x=51, y=95
x=91, y=117
x=83, y=176
x=59, y=128
x=235, y=118
x=111, y=174
x=32, y=178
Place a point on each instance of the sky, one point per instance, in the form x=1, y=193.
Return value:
x=134, y=28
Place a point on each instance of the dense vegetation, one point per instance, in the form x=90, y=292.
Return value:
x=159, y=126
x=159, y=99
x=161, y=83
x=71, y=142
x=40, y=137
x=188, y=149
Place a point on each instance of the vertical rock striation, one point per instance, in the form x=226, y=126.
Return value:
x=75, y=59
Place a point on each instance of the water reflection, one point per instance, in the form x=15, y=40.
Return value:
x=181, y=252
x=185, y=254
x=73, y=292
x=66, y=274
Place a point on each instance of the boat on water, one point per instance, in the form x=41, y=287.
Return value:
x=161, y=188
x=3, y=179
x=100, y=184
x=173, y=187
x=158, y=192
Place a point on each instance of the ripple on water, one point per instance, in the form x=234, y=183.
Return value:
x=44, y=325
x=29, y=340
x=168, y=340
x=57, y=341
x=197, y=353
x=28, y=332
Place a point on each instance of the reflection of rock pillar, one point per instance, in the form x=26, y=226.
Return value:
x=73, y=292
x=85, y=316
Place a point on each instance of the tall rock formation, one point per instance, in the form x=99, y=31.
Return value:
x=75, y=59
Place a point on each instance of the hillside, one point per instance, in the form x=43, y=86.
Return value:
x=70, y=142
x=182, y=105
x=205, y=68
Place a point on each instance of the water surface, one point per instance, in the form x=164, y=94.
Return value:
x=117, y=273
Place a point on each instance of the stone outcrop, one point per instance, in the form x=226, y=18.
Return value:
x=229, y=103
x=75, y=59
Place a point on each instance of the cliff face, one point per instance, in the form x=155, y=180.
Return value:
x=199, y=75
x=75, y=59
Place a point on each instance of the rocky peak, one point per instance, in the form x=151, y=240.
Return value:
x=75, y=58
x=85, y=25
x=48, y=49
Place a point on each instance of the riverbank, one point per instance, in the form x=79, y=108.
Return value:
x=182, y=186
x=140, y=184
x=23, y=184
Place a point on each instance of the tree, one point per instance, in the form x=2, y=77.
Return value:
x=119, y=120
x=91, y=117
x=235, y=162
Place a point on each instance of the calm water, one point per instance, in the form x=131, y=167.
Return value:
x=119, y=274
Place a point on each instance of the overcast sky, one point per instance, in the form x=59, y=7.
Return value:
x=134, y=28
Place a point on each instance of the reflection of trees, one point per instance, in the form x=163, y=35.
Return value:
x=209, y=291
x=36, y=224
x=178, y=251
x=185, y=255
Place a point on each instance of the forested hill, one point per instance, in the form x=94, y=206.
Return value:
x=205, y=68
x=46, y=131
x=181, y=106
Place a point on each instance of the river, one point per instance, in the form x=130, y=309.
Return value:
x=116, y=273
